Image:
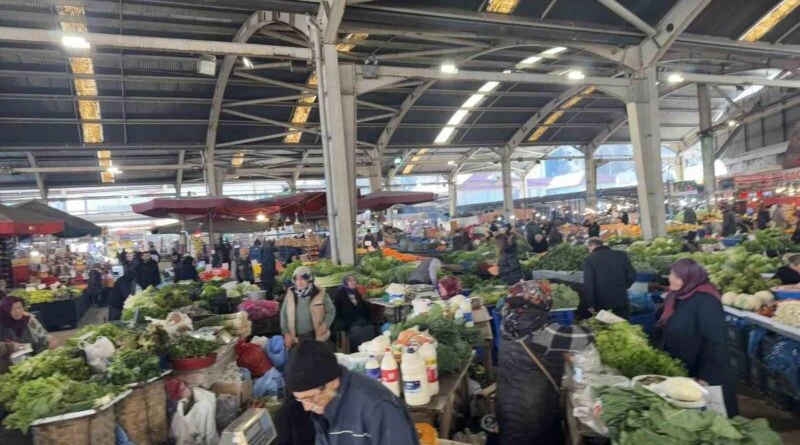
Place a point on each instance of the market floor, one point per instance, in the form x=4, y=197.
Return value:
x=95, y=315
x=752, y=406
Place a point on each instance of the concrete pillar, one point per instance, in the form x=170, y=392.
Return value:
x=523, y=188
x=452, y=195
x=508, y=196
x=680, y=168
x=591, y=179
x=336, y=92
x=643, y=121
x=707, y=147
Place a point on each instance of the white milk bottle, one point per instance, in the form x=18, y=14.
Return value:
x=415, y=379
x=428, y=354
x=390, y=375
x=372, y=368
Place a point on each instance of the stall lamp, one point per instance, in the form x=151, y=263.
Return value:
x=247, y=63
x=731, y=123
x=451, y=162
x=113, y=170
x=34, y=253
x=449, y=68
x=397, y=161
x=260, y=217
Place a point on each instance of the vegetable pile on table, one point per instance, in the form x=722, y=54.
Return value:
x=564, y=297
x=454, y=340
x=748, y=302
x=564, y=257
x=156, y=303
x=625, y=347
x=490, y=295
x=187, y=346
x=638, y=416
x=788, y=312
x=766, y=240
x=38, y=296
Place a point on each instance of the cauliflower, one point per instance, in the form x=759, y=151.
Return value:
x=748, y=302
x=765, y=296
x=729, y=299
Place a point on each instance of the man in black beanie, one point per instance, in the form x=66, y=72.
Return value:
x=346, y=407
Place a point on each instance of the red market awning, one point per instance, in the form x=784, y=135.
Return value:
x=16, y=221
x=304, y=204
x=180, y=208
x=219, y=225
x=379, y=201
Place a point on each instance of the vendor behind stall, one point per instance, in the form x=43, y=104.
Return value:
x=449, y=287
x=352, y=314
x=426, y=272
x=186, y=271
x=147, y=273
x=790, y=273
x=306, y=313
x=18, y=326
x=123, y=288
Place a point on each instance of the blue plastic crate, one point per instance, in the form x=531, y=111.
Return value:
x=646, y=320
x=563, y=316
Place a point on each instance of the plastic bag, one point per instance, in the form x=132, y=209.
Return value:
x=227, y=410
x=258, y=340
x=198, y=425
x=270, y=384
x=98, y=353
x=276, y=351
x=260, y=309
x=175, y=324
x=586, y=362
x=252, y=357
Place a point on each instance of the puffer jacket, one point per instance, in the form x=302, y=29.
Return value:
x=510, y=269
x=528, y=409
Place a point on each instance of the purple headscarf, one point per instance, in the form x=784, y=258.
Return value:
x=18, y=326
x=695, y=279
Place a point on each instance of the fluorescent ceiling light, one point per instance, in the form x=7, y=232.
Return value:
x=488, y=86
x=473, y=100
x=554, y=50
x=458, y=116
x=397, y=161
x=507, y=71
x=530, y=60
x=576, y=75
x=113, y=170
x=444, y=135
x=675, y=78
x=451, y=162
x=76, y=42
x=731, y=123
x=247, y=63
x=449, y=68
x=502, y=6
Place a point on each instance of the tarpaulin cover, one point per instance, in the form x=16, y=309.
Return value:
x=74, y=227
x=304, y=204
x=220, y=225
x=16, y=221
x=216, y=206
x=379, y=201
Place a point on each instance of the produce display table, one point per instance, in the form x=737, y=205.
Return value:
x=62, y=314
x=206, y=377
x=577, y=432
x=575, y=277
x=453, y=395
x=399, y=310
x=766, y=322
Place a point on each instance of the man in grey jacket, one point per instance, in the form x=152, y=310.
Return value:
x=347, y=408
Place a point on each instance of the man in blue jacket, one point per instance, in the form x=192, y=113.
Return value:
x=347, y=408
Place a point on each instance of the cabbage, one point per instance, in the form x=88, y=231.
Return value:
x=729, y=298
x=765, y=296
x=748, y=302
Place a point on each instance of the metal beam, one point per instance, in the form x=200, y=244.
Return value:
x=753, y=116
x=668, y=30
x=39, y=181
x=303, y=128
x=179, y=177
x=727, y=98
x=629, y=17
x=486, y=76
x=731, y=80
x=97, y=168
x=30, y=35
x=526, y=128
x=394, y=122
x=267, y=100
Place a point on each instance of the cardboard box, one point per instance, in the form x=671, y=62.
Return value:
x=244, y=390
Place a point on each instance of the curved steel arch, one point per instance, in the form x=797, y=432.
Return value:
x=253, y=24
x=537, y=117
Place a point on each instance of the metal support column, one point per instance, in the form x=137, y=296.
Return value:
x=508, y=197
x=591, y=179
x=707, y=147
x=643, y=119
x=337, y=106
x=680, y=168
x=452, y=195
x=375, y=179
x=291, y=184
x=523, y=179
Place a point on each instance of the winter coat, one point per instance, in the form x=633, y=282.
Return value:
x=594, y=230
x=122, y=289
x=268, y=271
x=689, y=216
x=510, y=269
x=695, y=334
x=531, y=229
x=728, y=224
x=762, y=219
x=527, y=404
x=34, y=333
x=607, y=275
x=186, y=271
x=364, y=412
x=293, y=424
x=348, y=313
x=244, y=270
x=539, y=247
x=147, y=274
x=787, y=275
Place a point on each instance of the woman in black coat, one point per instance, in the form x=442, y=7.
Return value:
x=507, y=252
x=539, y=244
x=268, y=270
x=692, y=329
x=352, y=314
x=186, y=270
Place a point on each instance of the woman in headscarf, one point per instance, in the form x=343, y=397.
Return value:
x=306, y=312
x=531, y=365
x=18, y=326
x=352, y=314
x=449, y=287
x=692, y=328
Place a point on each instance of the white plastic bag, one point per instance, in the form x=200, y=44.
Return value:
x=98, y=353
x=198, y=426
x=260, y=341
x=175, y=324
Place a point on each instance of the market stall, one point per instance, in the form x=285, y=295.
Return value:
x=16, y=222
x=74, y=227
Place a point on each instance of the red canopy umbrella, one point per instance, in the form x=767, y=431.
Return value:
x=202, y=206
x=305, y=204
x=16, y=221
x=379, y=201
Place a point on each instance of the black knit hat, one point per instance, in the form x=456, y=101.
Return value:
x=311, y=365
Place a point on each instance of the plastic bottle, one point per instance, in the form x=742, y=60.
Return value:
x=415, y=379
x=390, y=375
x=466, y=309
x=372, y=368
x=459, y=315
x=428, y=354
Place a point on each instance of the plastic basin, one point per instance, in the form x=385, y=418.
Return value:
x=194, y=363
x=731, y=242
x=786, y=294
